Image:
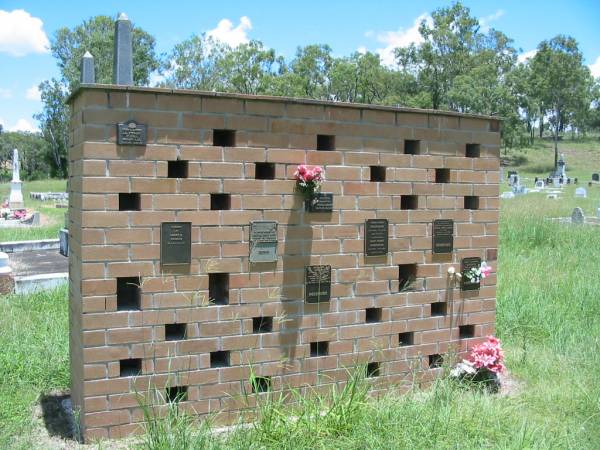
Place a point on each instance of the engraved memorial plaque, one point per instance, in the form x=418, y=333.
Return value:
x=466, y=265
x=175, y=243
x=320, y=203
x=131, y=133
x=443, y=236
x=376, y=237
x=317, y=284
x=263, y=241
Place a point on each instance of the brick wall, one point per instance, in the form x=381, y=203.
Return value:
x=135, y=324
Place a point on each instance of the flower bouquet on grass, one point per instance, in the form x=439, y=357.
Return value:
x=308, y=180
x=483, y=365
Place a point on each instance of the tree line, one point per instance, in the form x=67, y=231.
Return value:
x=457, y=66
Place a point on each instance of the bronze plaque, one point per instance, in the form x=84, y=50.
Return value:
x=175, y=243
x=263, y=241
x=131, y=133
x=466, y=265
x=376, y=237
x=443, y=236
x=317, y=284
x=320, y=203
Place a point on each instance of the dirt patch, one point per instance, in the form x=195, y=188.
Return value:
x=54, y=426
x=509, y=385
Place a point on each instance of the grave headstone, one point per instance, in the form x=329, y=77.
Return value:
x=595, y=177
x=15, y=199
x=507, y=195
x=539, y=184
x=577, y=216
x=320, y=203
x=580, y=192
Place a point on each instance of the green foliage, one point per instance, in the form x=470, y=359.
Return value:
x=32, y=153
x=96, y=35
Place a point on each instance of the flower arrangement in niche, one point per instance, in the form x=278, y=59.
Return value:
x=483, y=364
x=308, y=180
x=474, y=275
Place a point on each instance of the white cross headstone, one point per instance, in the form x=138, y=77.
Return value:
x=15, y=199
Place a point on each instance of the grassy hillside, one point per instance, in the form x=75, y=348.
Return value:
x=582, y=157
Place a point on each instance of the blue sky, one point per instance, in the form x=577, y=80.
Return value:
x=27, y=26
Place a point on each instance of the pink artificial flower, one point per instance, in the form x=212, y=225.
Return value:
x=485, y=270
x=488, y=355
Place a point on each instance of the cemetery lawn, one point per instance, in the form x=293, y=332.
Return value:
x=52, y=218
x=548, y=320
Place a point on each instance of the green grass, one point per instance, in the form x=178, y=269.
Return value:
x=548, y=319
x=52, y=217
x=34, y=356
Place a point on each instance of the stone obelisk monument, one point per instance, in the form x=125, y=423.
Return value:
x=15, y=200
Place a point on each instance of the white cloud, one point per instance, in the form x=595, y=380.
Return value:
x=525, y=56
x=362, y=50
x=21, y=125
x=226, y=33
x=33, y=93
x=5, y=93
x=595, y=68
x=401, y=38
x=484, y=22
x=20, y=33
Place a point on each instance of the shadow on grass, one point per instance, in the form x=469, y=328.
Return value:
x=58, y=415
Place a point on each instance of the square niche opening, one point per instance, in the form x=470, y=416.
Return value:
x=130, y=202
x=262, y=324
x=442, y=175
x=177, y=169
x=175, y=331
x=373, y=315
x=220, y=202
x=378, y=173
x=472, y=151
x=439, y=309
x=264, y=171
x=435, y=361
x=412, y=147
x=224, y=138
x=409, y=202
x=176, y=394
x=466, y=331
x=130, y=367
x=405, y=339
x=325, y=142
x=218, y=288
x=320, y=348
x=128, y=294
x=219, y=359
x=260, y=384
x=407, y=273
x=471, y=202
x=373, y=369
